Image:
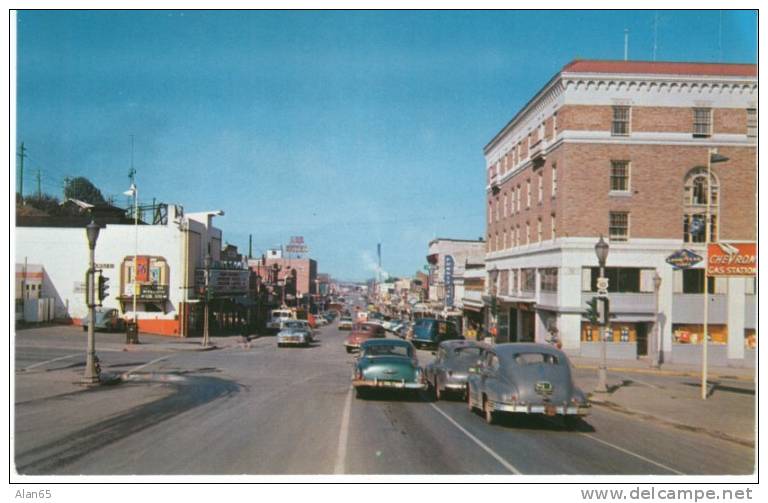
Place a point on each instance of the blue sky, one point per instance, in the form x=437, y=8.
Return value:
x=347, y=128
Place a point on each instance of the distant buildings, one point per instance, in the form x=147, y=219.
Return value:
x=620, y=149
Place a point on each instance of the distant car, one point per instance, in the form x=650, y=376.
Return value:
x=429, y=332
x=345, y=323
x=525, y=378
x=277, y=319
x=361, y=332
x=387, y=363
x=449, y=370
x=106, y=318
x=295, y=333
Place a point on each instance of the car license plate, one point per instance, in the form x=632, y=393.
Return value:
x=550, y=410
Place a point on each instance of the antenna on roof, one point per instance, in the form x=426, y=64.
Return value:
x=626, y=43
x=720, y=38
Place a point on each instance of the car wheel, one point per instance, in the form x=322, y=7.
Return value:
x=361, y=393
x=470, y=407
x=490, y=415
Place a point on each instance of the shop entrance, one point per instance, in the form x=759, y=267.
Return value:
x=642, y=338
x=514, y=335
x=527, y=326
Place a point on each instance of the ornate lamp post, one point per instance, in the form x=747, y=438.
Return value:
x=712, y=157
x=656, y=348
x=134, y=191
x=601, y=250
x=91, y=375
x=493, y=274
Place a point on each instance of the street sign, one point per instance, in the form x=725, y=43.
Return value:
x=683, y=259
x=602, y=286
x=105, y=266
x=731, y=259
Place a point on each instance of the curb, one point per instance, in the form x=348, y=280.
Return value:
x=668, y=422
x=659, y=372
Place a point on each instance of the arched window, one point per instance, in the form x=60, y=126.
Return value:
x=695, y=193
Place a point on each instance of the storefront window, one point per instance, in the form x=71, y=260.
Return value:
x=693, y=281
x=548, y=279
x=750, y=338
x=694, y=334
x=620, y=279
x=528, y=280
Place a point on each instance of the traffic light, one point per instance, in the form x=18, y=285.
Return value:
x=603, y=311
x=103, y=288
x=592, y=311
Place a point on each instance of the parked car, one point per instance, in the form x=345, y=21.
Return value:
x=449, y=370
x=106, y=318
x=361, y=332
x=525, y=378
x=345, y=323
x=295, y=333
x=429, y=332
x=387, y=363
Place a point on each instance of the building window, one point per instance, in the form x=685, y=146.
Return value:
x=496, y=212
x=620, y=123
x=528, y=193
x=752, y=122
x=620, y=176
x=528, y=278
x=554, y=227
x=620, y=279
x=490, y=212
x=548, y=279
x=497, y=247
x=554, y=180
x=554, y=124
x=702, y=122
x=519, y=198
x=538, y=230
x=693, y=281
x=505, y=205
x=619, y=226
x=512, y=202
x=517, y=236
x=695, y=194
x=541, y=186
x=527, y=233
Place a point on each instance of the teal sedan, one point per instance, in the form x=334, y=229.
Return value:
x=387, y=364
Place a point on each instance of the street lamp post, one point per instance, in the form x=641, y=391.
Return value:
x=712, y=157
x=207, y=266
x=601, y=250
x=91, y=375
x=493, y=274
x=134, y=191
x=656, y=348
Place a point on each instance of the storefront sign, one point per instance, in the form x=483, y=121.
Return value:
x=297, y=245
x=683, y=259
x=448, y=279
x=153, y=292
x=731, y=259
x=228, y=281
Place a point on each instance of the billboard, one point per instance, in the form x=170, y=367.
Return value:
x=448, y=280
x=732, y=259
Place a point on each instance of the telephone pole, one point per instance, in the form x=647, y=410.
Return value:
x=39, y=191
x=22, y=154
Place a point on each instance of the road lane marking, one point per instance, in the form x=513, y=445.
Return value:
x=626, y=451
x=144, y=365
x=39, y=364
x=341, y=451
x=487, y=449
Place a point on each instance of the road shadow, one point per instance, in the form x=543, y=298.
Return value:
x=540, y=422
x=715, y=386
x=393, y=395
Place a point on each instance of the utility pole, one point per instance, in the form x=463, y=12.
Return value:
x=64, y=190
x=39, y=192
x=22, y=154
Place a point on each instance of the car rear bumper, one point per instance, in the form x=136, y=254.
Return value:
x=375, y=383
x=292, y=342
x=546, y=409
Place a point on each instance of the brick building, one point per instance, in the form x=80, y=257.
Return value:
x=620, y=148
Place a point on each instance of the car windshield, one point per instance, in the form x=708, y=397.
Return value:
x=294, y=324
x=281, y=314
x=423, y=328
x=466, y=354
x=387, y=350
x=535, y=358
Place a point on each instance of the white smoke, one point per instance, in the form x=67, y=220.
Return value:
x=370, y=264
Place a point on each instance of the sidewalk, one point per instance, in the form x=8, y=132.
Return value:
x=672, y=396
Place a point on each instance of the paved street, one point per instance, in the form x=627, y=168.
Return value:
x=251, y=408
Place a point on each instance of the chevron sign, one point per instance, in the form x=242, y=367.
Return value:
x=732, y=259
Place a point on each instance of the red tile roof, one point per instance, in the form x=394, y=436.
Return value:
x=645, y=67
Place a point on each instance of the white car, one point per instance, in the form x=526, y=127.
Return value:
x=295, y=333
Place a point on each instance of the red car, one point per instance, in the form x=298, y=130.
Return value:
x=361, y=332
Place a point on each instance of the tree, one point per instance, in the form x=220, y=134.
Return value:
x=82, y=189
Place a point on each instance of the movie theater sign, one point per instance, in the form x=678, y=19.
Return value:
x=732, y=259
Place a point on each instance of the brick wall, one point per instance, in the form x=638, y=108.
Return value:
x=655, y=202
